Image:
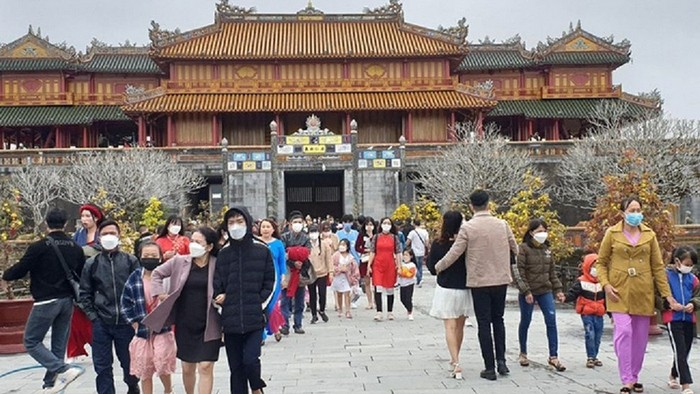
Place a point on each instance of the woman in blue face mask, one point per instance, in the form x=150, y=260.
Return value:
x=631, y=271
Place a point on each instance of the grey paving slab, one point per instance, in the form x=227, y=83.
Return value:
x=360, y=355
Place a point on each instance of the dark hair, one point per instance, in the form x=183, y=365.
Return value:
x=683, y=252
x=325, y=225
x=410, y=252
x=345, y=240
x=451, y=222
x=416, y=222
x=361, y=220
x=479, y=199
x=363, y=230
x=108, y=222
x=56, y=219
x=295, y=215
x=275, y=229
x=347, y=218
x=211, y=237
x=393, y=227
x=532, y=226
x=171, y=219
x=629, y=200
x=144, y=244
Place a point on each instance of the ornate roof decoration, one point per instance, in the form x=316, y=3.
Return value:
x=37, y=47
x=577, y=39
x=310, y=10
x=313, y=127
x=483, y=90
x=133, y=95
x=228, y=11
x=393, y=8
x=157, y=35
x=459, y=32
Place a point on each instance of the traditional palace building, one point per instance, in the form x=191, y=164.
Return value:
x=324, y=113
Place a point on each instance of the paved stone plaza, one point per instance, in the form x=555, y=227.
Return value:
x=402, y=357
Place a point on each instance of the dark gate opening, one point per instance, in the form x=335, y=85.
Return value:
x=314, y=193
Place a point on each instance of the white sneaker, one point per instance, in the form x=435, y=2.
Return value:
x=467, y=323
x=64, y=379
x=410, y=316
x=353, y=305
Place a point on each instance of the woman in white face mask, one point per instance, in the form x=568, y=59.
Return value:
x=171, y=238
x=536, y=277
x=383, y=266
x=187, y=303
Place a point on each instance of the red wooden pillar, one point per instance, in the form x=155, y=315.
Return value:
x=555, y=137
x=170, y=137
x=86, y=143
x=530, y=127
x=215, y=132
x=280, y=126
x=409, y=127
x=2, y=139
x=480, y=124
x=347, y=123
x=453, y=122
x=58, y=136
x=142, y=131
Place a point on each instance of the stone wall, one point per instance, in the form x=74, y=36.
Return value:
x=250, y=189
x=379, y=192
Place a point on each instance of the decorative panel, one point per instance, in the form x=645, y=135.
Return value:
x=375, y=70
x=311, y=71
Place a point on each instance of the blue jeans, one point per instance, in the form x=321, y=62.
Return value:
x=56, y=316
x=593, y=327
x=419, y=269
x=546, y=303
x=103, y=336
x=298, y=306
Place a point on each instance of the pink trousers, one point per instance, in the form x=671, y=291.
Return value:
x=631, y=334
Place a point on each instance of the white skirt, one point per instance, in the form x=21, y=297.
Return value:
x=340, y=283
x=452, y=303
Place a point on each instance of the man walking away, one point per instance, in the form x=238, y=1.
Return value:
x=419, y=241
x=489, y=245
x=53, y=299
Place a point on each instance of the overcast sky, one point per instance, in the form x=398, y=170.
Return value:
x=665, y=35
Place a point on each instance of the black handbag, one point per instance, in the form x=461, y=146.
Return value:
x=70, y=275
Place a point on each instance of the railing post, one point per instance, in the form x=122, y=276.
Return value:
x=272, y=202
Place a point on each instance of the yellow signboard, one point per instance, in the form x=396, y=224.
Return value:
x=330, y=139
x=297, y=140
x=379, y=163
x=249, y=166
x=314, y=149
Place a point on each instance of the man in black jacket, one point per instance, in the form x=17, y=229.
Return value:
x=53, y=296
x=243, y=282
x=101, y=286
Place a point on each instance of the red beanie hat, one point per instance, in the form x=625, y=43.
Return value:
x=298, y=253
x=93, y=209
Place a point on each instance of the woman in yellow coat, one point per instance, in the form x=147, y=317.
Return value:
x=631, y=270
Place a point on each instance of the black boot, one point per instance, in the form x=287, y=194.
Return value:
x=488, y=374
x=502, y=368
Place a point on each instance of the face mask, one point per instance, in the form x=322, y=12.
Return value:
x=109, y=242
x=237, y=231
x=347, y=226
x=342, y=248
x=386, y=227
x=313, y=236
x=174, y=229
x=296, y=227
x=684, y=269
x=540, y=237
x=150, y=264
x=594, y=272
x=197, y=250
x=634, y=219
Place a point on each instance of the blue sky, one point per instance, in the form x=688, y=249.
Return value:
x=664, y=34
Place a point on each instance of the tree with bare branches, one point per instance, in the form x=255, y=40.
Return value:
x=38, y=188
x=475, y=162
x=670, y=149
x=129, y=178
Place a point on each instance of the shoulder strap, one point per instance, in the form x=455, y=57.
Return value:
x=69, y=274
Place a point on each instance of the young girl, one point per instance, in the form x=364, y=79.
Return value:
x=407, y=280
x=590, y=304
x=151, y=353
x=681, y=319
x=345, y=275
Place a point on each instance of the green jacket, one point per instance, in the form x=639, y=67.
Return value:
x=535, y=272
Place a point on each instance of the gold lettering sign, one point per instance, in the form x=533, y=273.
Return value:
x=297, y=140
x=314, y=149
x=330, y=139
x=248, y=166
x=379, y=163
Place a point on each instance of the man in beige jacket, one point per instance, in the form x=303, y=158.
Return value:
x=488, y=244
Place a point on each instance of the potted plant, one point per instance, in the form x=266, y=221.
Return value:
x=15, y=309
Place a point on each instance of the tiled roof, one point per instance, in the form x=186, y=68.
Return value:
x=559, y=108
x=302, y=39
x=41, y=64
x=494, y=59
x=58, y=115
x=575, y=58
x=121, y=63
x=296, y=102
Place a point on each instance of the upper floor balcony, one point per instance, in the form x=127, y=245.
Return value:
x=61, y=98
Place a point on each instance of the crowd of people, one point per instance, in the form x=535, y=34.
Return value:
x=186, y=294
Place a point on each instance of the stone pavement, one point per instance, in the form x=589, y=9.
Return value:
x=404, y=357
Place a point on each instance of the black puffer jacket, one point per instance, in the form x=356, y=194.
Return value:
x=102, y=284
x=246, y=274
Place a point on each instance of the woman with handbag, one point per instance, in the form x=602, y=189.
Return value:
x=270, y=235
x=322, y=265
